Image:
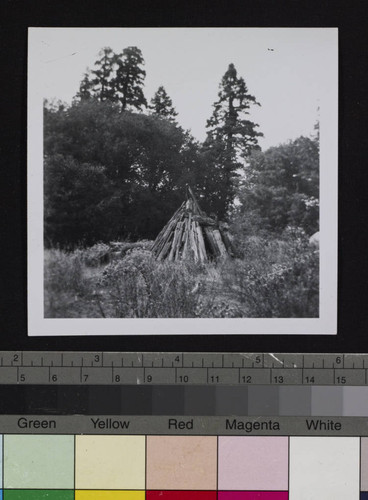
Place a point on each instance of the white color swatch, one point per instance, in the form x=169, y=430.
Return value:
x=324, y=468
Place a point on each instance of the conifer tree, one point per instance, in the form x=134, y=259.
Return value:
x=229, y=122
x=85, y=87
x=231, y=137
x=161, y=104
x=103, y=87
x=129, y=79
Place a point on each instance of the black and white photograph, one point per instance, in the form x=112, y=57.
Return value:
x=182, y=181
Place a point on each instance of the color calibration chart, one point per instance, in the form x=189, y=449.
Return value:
x=66, y=467
x=183, y=426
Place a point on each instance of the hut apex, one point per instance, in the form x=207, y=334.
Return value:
x=191, y=235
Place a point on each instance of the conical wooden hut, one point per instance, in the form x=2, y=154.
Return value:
x=191, y=235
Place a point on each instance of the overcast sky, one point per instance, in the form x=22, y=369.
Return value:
x=288, y=70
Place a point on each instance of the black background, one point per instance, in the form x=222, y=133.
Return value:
x=351, y=19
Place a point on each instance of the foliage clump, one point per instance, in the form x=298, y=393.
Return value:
x=276, y=278
x=281, y=188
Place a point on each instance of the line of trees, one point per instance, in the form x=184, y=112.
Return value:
x=117, y=166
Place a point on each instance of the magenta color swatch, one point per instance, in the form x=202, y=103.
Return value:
x=253, y=495
x=253, y=463
x=181, y=495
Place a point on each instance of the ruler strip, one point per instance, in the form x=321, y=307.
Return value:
x=106, y=368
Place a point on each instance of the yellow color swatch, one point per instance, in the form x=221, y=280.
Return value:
x=108, y=495
x=110, y=463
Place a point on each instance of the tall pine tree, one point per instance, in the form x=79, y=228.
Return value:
x=85, y=88
x=129, y=79
x=161, y=104
x=231, y=137
x=103, y=85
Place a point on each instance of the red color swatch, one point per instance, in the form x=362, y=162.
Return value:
x=181, y=495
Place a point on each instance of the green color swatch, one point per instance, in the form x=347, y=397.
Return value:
x=36, y=461
x=38, y=495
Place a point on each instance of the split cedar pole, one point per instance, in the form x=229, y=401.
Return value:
x=165, y=249
x=220, y=244
x=211, y=241
x=202, y=246
x=194, y=246
x=174, y=243
x=165, y=229
x=159, y=244
x=178, y=244
x=186, y=242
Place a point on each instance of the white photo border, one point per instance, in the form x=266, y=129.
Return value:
x=326, y=324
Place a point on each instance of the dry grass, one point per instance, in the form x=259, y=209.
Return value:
x=272, y=278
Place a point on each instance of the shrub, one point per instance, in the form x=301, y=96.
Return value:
x=140, y=287
x=276, y=278
x=63, y=271
x=63, y=280
x=96, y=255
